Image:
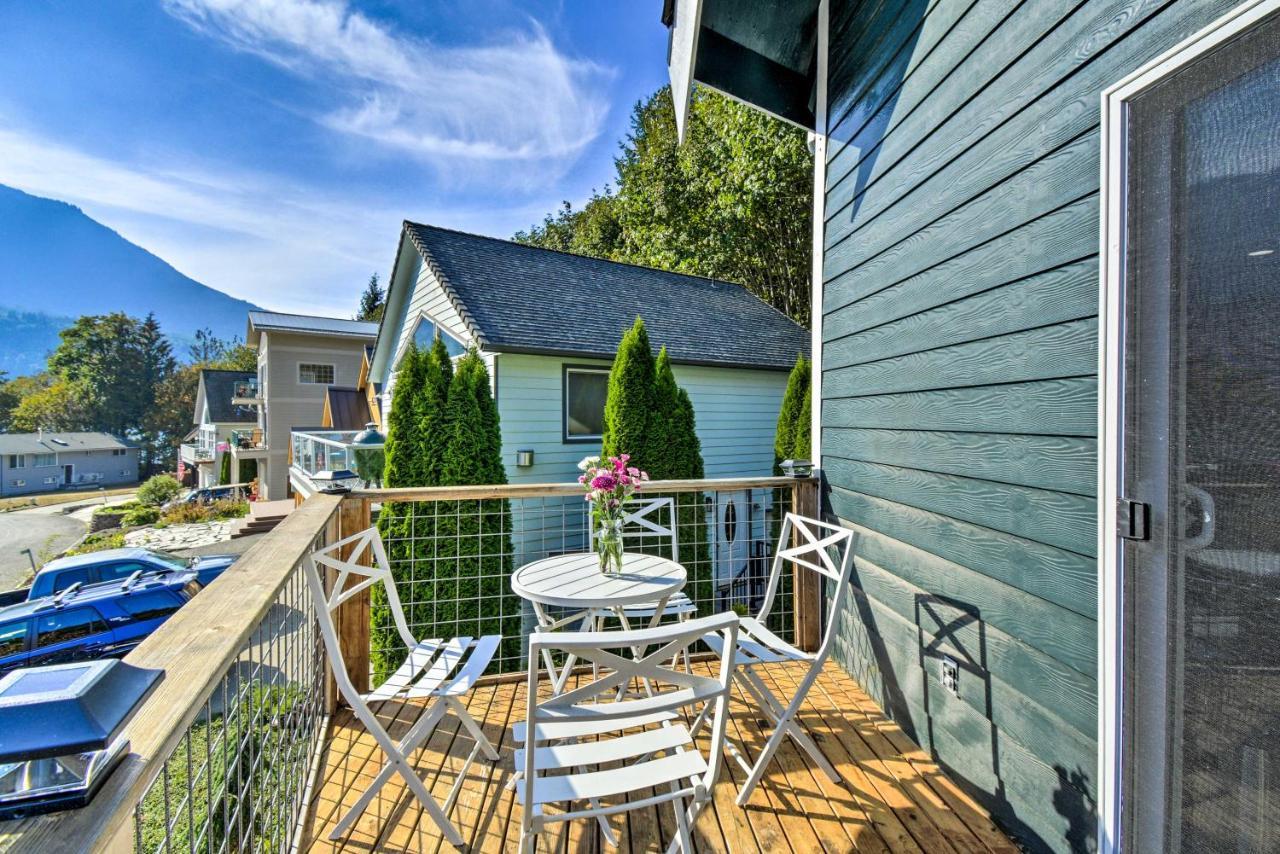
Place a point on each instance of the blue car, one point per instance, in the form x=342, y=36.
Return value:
x=85, y=623
x=117, y=565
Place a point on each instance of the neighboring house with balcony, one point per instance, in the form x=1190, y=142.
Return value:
x=221, y=412
x=300, y=357
x=45, y=462
x=548, y=324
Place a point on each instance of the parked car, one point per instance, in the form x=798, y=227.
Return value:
x=117, y=565
x=210, y=494
x=88, y=622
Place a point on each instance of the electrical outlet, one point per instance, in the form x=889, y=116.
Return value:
x=950, y=675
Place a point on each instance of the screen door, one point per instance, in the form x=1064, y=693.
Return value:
x=1201, y=455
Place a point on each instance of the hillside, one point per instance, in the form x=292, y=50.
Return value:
x=56, y=263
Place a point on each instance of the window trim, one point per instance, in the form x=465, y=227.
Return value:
x=36, y=464
x=333, y=368
x=565, y=370
x=439, y=330
x=17, y=461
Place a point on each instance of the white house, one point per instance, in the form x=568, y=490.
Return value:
x=548, y=324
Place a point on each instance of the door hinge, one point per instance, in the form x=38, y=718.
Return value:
x=1132, y=518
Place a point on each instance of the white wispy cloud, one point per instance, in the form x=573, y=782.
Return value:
x=518, y=98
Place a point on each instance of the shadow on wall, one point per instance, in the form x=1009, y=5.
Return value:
x=951, y=632
x=883, y=51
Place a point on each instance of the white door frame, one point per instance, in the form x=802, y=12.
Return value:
x=1115, y=111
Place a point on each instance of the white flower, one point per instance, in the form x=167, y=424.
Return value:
x=586, y=463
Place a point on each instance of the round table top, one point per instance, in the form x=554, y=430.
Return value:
x=575, y=581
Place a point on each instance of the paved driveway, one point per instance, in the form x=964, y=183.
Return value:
x=41, y=529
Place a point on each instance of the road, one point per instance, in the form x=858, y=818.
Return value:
x=41, y=529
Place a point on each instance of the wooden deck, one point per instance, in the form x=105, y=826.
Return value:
x=893, y=798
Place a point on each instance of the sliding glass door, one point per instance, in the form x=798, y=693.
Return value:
x=1200, y=453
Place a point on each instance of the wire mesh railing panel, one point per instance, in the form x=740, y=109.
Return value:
x=236, y=782
x=452, y=561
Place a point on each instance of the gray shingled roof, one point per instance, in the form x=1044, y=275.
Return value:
x=35, y=443
x=521, y=298
x=218, y=388
x=270, y=320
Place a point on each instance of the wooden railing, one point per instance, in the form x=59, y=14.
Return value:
x=201, y=648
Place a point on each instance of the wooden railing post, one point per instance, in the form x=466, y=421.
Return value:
x=806, y=585
x=352, y=617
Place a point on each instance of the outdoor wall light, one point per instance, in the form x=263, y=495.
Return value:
x=797, y=468
x=60, y=731
x=524, y=458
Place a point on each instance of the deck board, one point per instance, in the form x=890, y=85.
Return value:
x=893, y=798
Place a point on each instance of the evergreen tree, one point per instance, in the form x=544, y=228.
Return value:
x=396, y=521
x=629, y=407
x=372, y=301
x=791, y=440
x=224, y=469
x=404, y=439
x=474, y=547
x=430, y=410
x=676, y=454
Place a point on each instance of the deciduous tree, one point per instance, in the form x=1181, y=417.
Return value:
x=733, y=202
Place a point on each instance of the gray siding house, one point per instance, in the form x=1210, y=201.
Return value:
x=299, y=358
x=46, y=462
x=1046, y=282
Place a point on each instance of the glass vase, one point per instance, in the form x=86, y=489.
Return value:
x=609, y=545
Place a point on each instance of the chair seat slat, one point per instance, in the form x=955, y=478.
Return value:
x=609, y=750
x=616, y=781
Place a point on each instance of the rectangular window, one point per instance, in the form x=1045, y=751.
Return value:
x=309, y=374
x=51, y=480
x=13, y=638
x=585, y=390
x=124, y=472
x=17, y=461
x=45, y=460
x=119, y=452
x=19, y=483
x=68, y=626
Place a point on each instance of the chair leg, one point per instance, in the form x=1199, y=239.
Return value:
x=419, y=732
x=785, y=719
x=461, y=713
x=784, y=725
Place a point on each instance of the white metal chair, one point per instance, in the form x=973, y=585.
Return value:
x=440, y=671
x=645, y=741
x=758, y=646
x=644, y=522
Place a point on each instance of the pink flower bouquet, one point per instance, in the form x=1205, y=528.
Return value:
x=609, y=483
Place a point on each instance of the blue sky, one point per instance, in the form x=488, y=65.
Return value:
x=271, y=148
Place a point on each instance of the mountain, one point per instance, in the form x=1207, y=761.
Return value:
x=56, y=263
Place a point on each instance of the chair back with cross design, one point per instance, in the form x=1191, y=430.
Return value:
x=349, y=568
x=814, y=546
x=641, y=519
x=650, y=742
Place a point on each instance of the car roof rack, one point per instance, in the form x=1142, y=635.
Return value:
x=131, y=580
x=71, y=590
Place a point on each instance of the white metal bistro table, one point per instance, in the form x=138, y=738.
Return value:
x=574, y=581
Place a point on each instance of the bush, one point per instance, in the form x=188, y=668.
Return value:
x=140, y=516
x=187, y=514
x=97, y=543
x=228, y=508
x=158, y=490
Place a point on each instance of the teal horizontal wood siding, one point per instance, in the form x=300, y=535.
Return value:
x=959, y=376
